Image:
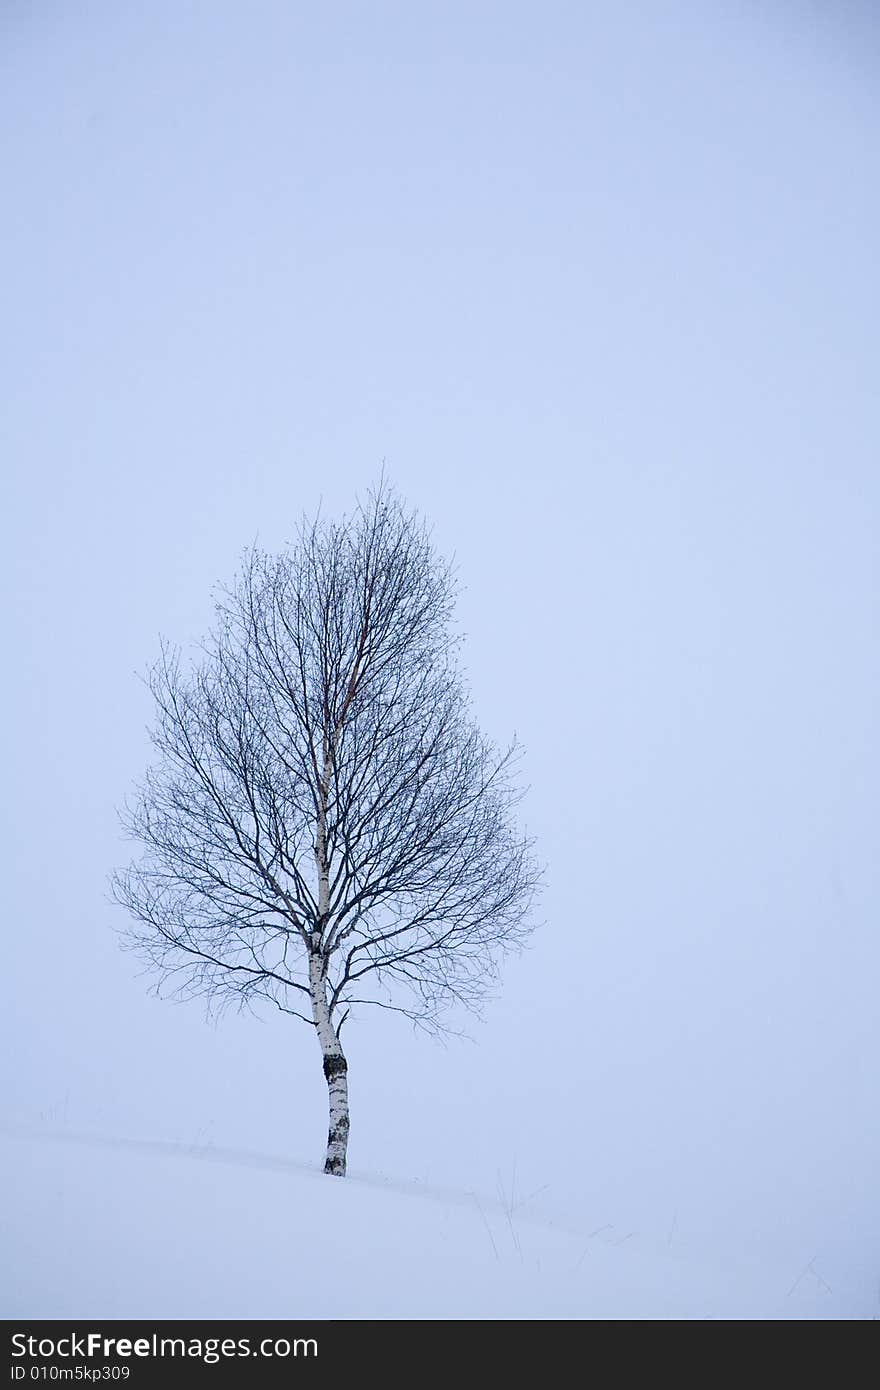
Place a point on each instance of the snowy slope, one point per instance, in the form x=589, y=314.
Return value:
x=109, y=1228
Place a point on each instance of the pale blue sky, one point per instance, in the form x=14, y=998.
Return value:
x=599, y=283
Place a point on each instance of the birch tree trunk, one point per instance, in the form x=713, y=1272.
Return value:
x=335, y=1070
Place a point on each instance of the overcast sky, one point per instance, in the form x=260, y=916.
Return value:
x=599, y=283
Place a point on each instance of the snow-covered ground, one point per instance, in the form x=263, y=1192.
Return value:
x=122, y=1228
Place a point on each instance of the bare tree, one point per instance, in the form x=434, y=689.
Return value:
x=325, y=827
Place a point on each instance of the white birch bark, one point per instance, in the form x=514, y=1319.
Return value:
x=335, y=1064
x=335, y=1070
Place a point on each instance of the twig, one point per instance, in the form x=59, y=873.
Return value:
x=486, y=1224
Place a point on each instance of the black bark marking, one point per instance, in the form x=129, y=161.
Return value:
x=334, y=1066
